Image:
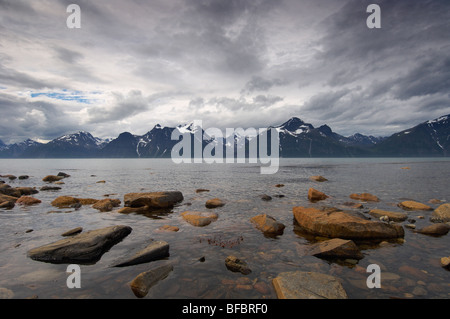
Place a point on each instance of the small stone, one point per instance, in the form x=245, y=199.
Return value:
x=318, y=178
x=410, y=226
x=237, y=265
x=199, y=218
x=72, y=232
x=145, y=280
x=266, y=197
x=52, y=178
x=100, y=182
x=367, y=197
x=279, y=185
x=412, y=205
x=201, y=190
x=214, y=203
x=24, y=177
x=445, y=262
x=169, y=228
x=315, y=195
x=267, y=224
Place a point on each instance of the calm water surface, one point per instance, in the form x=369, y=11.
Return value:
x=410, y=269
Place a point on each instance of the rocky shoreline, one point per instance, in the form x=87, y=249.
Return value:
x=340, y=230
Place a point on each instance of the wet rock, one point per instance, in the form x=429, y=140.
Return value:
x=157, y=249
x=62, y=174
x=9, y=176
x=338, y=224
x=52, y=178
x=434, y=201
x=22, y=177
x=412, y=205
x=353, y=205
x=366, y=197
x=445, y=262
x=308, y=285
x=106, y=205
x=335, y=248
x=439, y=229
x=201, y=190
x=50, y=188
x=314, y=195
x=268, y=225
x=137, y=210
x=145, y=280
x=5, y=189
x=153, y=200
x=169, y=228
x=279, y=185
x=318, y=178
x=27, y=190
x=100, y=182
x=441, y=214
x=7, y=204
x=84, y=248
x=394, y=216
x=214, y=203
x=199, y=218
x=235, y=264
x=28, y=200
x=69, y=201
x=266, y=197
x=73, y=231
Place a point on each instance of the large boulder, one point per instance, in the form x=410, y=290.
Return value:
x=267, y=224
x=441, y=214
x=337, y=224
x=335, y=248
x=394, y=216
x=84, y=248
x=153, y=199
x=199, y=218
x=413, y=205
x=308, y=285
x=157, y=249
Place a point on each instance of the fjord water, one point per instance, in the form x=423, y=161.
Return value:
x=409, y=268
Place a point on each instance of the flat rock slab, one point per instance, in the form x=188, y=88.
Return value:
x=366, y=197
x=84, y=248
x=335, y=248
x=145, y=280
x=153, y=199
x=439, y=229
x=308, y=285
x=337, y=224
x=157, y=249
x=394, y=216
x=412, y=205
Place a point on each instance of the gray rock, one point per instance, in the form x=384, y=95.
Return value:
x=308, y=285
x=157, y=249
x=145, y=280
x=84, y=248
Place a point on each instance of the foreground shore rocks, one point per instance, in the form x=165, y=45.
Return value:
x=84, y=248
x=157, y=249
x=337, y=224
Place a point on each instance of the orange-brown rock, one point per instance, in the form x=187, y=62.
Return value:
x=214, y=203
x=412, y=205
x=106, y=205
x=314, y=195
x=28, y=200
x=366, y=197
x=338, y=224
x=394, y=216
x=335, y=248
x=267, y=224
x=52, y=178
x=153, y=199
x=318, y=178
x=199, y=218
x=169, y=228
x=67, y=201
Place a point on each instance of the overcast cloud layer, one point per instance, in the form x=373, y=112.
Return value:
x=230, y=63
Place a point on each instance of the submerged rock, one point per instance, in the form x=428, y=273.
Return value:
x=335, y=248
x=314, y=195
x=337, y=224
x=435, y=229
x=72, y=232
x=267, y=224
x=84, y=248
x=366, y=197
x=394, y=216
x=145, y=280
x=153, y=200
x=52, y=178
x=445, y=262
x=199, y=218
x=308, y=285
x=441, y=214
x=157, y=249
x=50, y=188
x=318, y=178
x=69, y=201
x=237, y=265
x=412, y=205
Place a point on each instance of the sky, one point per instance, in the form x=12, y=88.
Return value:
x=229, y=63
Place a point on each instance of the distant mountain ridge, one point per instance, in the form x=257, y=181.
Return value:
x=297, y=139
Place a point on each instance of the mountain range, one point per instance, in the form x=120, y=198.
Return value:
x=297, y=139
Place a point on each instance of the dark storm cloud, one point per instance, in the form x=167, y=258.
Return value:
x=11, y=77
x=258, y=83
x=68, y=56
